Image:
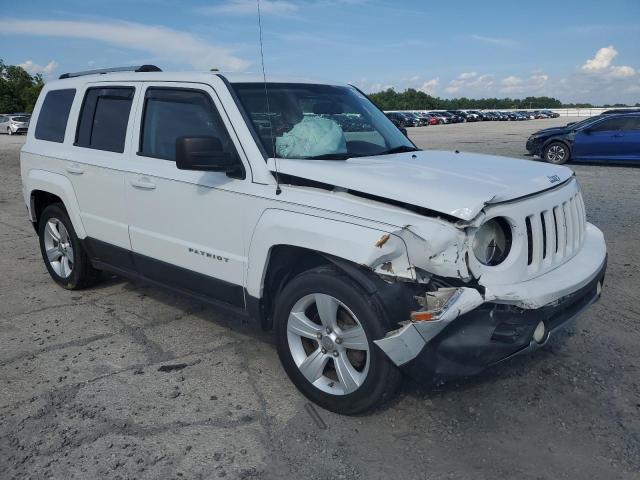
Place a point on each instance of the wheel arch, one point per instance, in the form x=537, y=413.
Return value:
x=46, y=188
x=285, y=244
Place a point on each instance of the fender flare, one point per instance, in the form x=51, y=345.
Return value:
x=378, y=250
x=60, y=186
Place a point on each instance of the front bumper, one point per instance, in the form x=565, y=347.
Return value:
x=477, y=331
x=534, y=146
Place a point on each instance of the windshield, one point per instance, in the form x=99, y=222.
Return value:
x=318, y=121
x=582, y=123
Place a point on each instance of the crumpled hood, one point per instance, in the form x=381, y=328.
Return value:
x=456, y=184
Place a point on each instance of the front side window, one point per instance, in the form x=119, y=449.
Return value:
x=104, y=118
x=170, y=113
x=609, y=125
x=310, y=121
x=54, y=114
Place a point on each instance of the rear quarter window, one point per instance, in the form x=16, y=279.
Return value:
x=54, y=114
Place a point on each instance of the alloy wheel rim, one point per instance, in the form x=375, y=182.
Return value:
x=58, y=248
x=328, y=344
x=555, y=153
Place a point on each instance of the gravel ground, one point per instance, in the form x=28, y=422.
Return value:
x=83, y=394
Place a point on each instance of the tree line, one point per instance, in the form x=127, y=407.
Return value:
x=412, y=99
x=18, y=89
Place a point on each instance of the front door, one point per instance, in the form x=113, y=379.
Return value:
x=186, y=227
x=600, y=141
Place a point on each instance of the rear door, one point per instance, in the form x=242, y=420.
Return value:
x=98, y=159
x=600, y=141
x=631, y=139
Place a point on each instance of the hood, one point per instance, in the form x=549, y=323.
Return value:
x=552, y=131
x=456, y=184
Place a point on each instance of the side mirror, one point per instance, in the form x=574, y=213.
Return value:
x=205, y=153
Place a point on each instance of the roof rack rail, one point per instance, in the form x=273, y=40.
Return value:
x=141, y=68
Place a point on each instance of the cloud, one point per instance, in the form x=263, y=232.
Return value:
x=471, y=82
x=430, y=86
x=162, y=42
x=502, y=42
x=34, y=68
x=250, y=7
x=602, y=60
x=622, y=71
x=602, y=64
x=534, y=84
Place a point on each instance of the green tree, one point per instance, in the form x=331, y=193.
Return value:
x=18, y=90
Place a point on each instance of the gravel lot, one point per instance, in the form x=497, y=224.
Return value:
x=82, y=394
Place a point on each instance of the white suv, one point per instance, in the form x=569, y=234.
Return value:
x=300, y=205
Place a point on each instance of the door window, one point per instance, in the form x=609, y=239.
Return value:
x=52, y=120
x=612, y=124
x=104, y=118
x=170, y=113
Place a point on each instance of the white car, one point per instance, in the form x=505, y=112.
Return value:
x=14, y=124
x=367, y=256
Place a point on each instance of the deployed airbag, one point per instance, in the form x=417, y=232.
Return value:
x=311, y=137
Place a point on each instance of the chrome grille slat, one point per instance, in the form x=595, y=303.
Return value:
x=562, y=235
x=550, y=228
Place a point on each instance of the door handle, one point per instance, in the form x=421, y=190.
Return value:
x=75, y=169
x=143, y=183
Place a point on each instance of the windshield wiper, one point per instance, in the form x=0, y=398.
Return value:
x=399, y=149
x=330, y=156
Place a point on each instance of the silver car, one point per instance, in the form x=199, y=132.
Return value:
x=12, y=124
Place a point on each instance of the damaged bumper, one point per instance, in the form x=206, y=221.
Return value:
x=469, y=332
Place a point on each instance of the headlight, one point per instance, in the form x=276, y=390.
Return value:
x=492, y=241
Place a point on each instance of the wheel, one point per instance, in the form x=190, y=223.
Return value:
x=9, y=131
x=556, y=153
x=325, y=326
x=63, y=255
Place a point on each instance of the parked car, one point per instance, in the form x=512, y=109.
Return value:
x=550, y=114
x=440, y=117
x=473, y=116
x=601, y=138
x=385, y=259
x=419, y=120
x=12, y=124
x=460, y=114
x=397, y=119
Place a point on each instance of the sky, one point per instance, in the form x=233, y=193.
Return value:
x=576, y=51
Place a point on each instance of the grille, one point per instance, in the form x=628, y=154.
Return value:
x=555, y=233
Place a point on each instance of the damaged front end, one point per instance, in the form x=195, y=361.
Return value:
x=461, y=323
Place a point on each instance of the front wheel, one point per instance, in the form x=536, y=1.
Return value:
x=556, y=153
x=325, y=327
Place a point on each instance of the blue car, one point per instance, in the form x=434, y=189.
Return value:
x=605, y=138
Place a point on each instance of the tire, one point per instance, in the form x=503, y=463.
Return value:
x=347, y=380
x=63, y=255
x=9, y=131
x=556, y=153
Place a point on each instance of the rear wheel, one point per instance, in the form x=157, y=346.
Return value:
x=9, y=131
x=62, y=252
x=556, y=153
x=325, y=327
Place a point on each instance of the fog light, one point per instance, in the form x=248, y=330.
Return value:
x=540, y=333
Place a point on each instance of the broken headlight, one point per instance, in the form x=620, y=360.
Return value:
x=492, y=241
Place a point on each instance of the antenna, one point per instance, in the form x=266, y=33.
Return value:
x=266, y=96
